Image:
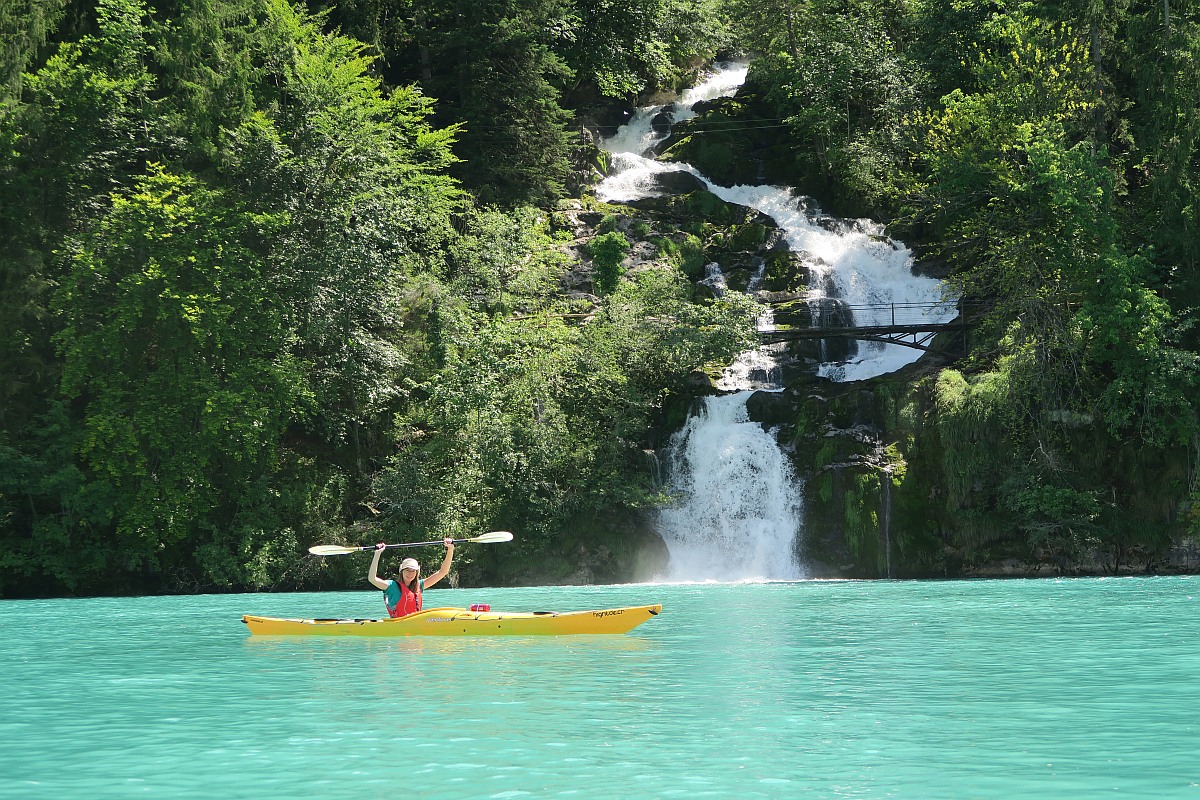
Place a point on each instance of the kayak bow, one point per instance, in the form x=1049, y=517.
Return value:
x=461, y=622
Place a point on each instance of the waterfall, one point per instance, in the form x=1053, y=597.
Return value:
x=737, y=508
x=740, y=508
x=651, y=124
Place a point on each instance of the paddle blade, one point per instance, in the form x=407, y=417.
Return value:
x=493, y=537
x=333, y=550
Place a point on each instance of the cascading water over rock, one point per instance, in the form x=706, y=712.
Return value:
x=737, y=513
x=739, y=508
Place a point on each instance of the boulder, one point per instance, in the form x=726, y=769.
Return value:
x=678, y=183
x=770, y=409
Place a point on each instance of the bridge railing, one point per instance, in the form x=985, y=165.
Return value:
x=910, y=324
x=894, y=313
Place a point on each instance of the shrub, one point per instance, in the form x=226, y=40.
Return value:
x=607, y=251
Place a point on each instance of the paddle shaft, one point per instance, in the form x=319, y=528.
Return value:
x=339, y=550
x=414, y=544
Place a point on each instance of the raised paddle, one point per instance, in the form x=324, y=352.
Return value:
x=338, y=550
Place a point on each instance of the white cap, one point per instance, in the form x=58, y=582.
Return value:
x=409, y=563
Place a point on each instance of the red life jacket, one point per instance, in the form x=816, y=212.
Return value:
x=409, y=603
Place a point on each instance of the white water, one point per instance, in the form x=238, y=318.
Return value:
x=740, y=503
x=637, y=136
x=737, y=513
x=852, y=260
x=860, y=264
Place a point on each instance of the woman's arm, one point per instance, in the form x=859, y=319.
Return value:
x=444, y=569
x=373, y=574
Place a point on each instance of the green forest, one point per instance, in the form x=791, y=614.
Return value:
x=276, y=274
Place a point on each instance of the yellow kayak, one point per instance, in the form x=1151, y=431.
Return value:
x=461, y=622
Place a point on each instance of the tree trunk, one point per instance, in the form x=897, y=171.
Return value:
x=422, y=46
x=793, y=45
x=1099, y=133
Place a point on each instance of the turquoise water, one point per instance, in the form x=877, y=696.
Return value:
x=959, y=689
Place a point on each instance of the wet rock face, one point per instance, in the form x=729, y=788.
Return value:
x=685, y=228
x=676, y=183
x=602, y=120
x=786, y=271
x=697, y=206
x=839, y=451
x=662, y=121
x=771, y=409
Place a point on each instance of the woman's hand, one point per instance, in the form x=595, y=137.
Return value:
x=380, y=546
x=448, y=542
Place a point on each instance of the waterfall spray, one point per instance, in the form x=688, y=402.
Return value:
x=738, y=503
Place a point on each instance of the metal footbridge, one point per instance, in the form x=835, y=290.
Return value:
x=908, y=324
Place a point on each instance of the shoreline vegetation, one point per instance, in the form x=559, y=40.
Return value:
x=275, y=275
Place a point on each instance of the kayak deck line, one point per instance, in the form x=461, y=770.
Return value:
x=462, y=622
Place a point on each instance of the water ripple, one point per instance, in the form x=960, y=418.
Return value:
x=826, y=689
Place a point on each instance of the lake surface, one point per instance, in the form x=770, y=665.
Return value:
x=822, y=689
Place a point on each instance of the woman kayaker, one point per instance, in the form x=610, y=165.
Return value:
x=403, y=595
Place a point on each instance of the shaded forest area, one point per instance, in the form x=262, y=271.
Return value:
x=276, y=274
x=256, y=297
